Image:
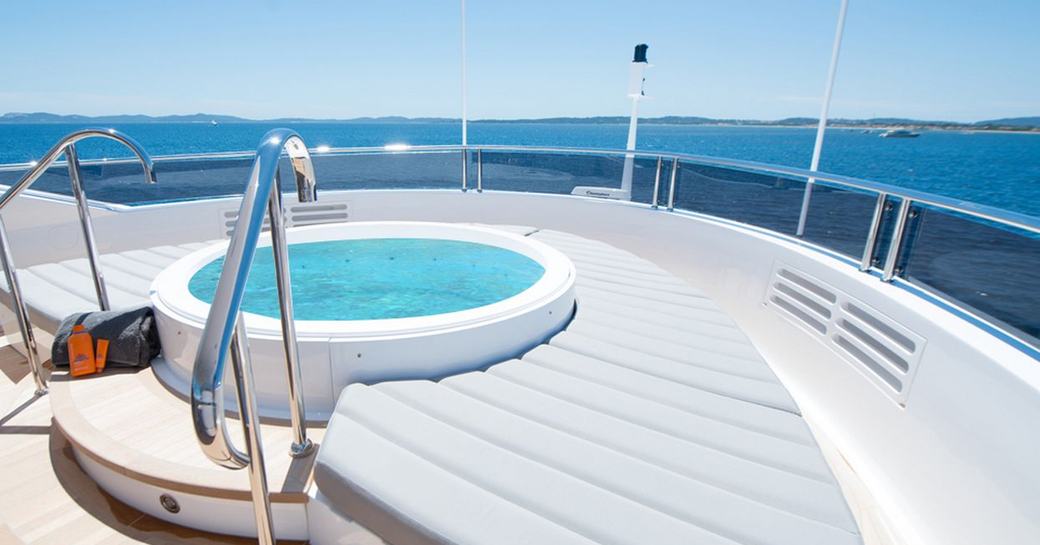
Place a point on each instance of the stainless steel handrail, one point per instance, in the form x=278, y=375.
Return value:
x=875, y=229
x=981, y=211
x=224, y=332
x=895, y=246
x=67, y=147
x=1023, y=222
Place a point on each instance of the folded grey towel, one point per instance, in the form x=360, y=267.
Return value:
x=133, y=340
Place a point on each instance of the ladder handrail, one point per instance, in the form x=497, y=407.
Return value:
x=224, y=333
x=66, y=146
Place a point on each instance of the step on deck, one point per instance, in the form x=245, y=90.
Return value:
x=125, y=424
x=659, y=425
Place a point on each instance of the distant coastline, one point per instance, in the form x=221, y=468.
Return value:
x=1016, y=124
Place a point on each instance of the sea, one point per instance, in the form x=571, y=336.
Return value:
x=992, y=168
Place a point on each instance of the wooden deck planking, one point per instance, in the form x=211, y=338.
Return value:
x=47, y=499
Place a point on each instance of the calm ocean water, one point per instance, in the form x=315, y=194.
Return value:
x=990, y=168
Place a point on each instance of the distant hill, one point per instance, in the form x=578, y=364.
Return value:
x=1015, y=123
x=44, y=118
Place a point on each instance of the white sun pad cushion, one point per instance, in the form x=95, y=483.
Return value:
x=651, y=419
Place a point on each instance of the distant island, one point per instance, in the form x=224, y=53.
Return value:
x=1019, y=124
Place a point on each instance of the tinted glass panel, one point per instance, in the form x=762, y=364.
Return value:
x=762, y=200
x=840, y=219
x=123, y=181
x=992, y=268
x=185, y=179
x=561, y=173
x=427, y=170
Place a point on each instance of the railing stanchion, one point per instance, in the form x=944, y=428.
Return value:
x=895, y=246
x=83, y=207
x=243, y=370
x=875, y=227
x=21, y=313
x=673, y=178
x=301, y=446
x=224, y=332
x=657, y=182
x=64, y=146
x=465, y=170
x=480, y=171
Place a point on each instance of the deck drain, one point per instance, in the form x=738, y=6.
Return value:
x=169, y=503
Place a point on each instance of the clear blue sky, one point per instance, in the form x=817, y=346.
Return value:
x=934, y=59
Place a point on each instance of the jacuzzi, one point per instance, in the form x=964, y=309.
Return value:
x=391, y=336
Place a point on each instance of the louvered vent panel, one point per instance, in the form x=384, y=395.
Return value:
x=231, y=216
x=803, y=299
x=313, y=214
x=884, y=350
x=298, y=215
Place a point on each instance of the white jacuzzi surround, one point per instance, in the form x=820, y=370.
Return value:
x=334, y=353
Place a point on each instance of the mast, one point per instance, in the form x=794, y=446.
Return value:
x=465, y=140
x=824, y=110
x=636, y=92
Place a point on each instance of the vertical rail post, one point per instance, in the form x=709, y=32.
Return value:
x=465, y=170
x=875, y=226
x=83, y=207
x=671, y=184
x=301, y=446
x=657, y=182
x=243, y=370
x=821, y=127
x=20, y=312
x=480, y=171
x=896, y=245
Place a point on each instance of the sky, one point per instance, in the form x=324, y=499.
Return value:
x=953, y=60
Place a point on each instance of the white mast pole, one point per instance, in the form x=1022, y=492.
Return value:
x=824, y=109
x=635, y=92
x=464, y=120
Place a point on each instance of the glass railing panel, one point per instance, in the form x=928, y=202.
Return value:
x=643, y=172
x=382, y=170
x=839, y=219
x=763, y=200
x=189, y=178
x=122, y=182
x=555, y=173
x=992, y=268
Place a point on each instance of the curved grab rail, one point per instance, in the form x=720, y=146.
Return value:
x=262, y=193
x=225, y=333
x=66, y=146
x=63, y=145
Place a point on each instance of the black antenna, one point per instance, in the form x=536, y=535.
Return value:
x=640, y=55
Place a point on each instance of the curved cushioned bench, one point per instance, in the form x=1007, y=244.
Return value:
x=650, y=419
x=53, y=291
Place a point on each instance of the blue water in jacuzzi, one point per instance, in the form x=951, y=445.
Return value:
x=379, y=278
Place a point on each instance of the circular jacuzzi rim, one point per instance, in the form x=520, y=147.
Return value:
x=170, y=293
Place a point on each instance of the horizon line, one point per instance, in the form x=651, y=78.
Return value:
x=10, y=117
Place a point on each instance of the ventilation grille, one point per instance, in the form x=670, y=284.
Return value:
x=314, y=214
x=295, y=216
x=884, y=350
